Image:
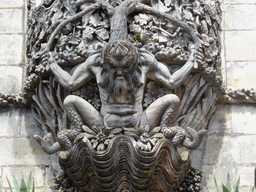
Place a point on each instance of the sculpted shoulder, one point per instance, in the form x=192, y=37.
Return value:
x=146, y=58
x=94, y=62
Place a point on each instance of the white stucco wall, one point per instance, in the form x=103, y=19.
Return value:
x=19, y=152
x=228, y=148
x=230, y=143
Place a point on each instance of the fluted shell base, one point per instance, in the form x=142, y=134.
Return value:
x=124, y=167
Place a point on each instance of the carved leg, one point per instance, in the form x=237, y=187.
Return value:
x=75, y=118
x=160, y=113
x=79, y=112
x=82, y=111
x=155, y=113
x=176, y=132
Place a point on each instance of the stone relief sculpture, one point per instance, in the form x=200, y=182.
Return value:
x=119, y=86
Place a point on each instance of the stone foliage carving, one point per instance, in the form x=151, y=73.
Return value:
x=119, y=86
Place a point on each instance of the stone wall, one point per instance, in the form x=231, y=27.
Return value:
x=19, y=152
x=228, y=147
x=230, y=144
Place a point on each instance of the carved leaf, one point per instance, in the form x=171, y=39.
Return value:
x=88, y=33
x=95, y=20
x=141, y=19
x=188, y=15
x=102, y=33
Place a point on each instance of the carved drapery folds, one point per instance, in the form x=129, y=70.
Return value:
x=119, y=86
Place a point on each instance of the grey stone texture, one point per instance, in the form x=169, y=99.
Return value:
x=231, y=139
x=11, y=79
x=11, y=3
x=240, y=17
x=230, y=146
x=21, y=154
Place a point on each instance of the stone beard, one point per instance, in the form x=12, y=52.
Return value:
x=120, y=68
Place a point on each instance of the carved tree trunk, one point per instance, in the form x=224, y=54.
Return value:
x=118, y=21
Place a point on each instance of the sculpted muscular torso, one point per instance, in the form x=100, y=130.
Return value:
x=121, y=71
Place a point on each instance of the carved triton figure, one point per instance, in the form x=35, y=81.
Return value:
x=121, y=71
x=81, y=58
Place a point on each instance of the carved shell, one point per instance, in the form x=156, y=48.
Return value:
x=123, y=166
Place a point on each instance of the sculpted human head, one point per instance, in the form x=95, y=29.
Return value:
x=121, y=56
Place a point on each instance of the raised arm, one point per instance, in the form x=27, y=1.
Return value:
x=79, y=76
x=161, y=73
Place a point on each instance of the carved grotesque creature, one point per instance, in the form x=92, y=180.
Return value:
x=121, y=72
x=122, y=137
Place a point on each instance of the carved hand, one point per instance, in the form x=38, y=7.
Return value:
x=198, y=58
x=47, y=143
x=51, y=58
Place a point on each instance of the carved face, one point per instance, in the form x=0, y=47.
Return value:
x=120, y=62
x=122, y=57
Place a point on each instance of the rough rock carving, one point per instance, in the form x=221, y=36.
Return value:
x=119, y=86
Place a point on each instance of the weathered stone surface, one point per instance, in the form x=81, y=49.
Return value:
x=19, y=171
x=220, y=150
x=38, y=2
x=243, y=119
x=246, y=174
x=10, y=20
x=10, y=122
x=220, y=172
x=223, y=58
x=22, y=151
x=196, y=159
x=221, y=120
x=230, y=150
x=12, y=3
x=11, y=49
x=28, y=126
x=239, y=17
x=245, y=150
x=241, y=75
x=11, y=79
x=55, y=166
x=238, y=1
x=1, y=179
x=240, y=45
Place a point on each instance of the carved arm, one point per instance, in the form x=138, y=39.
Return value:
x=161, y=73
x=81, y=73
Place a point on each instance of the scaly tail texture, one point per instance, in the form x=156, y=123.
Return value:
x=176, y=132
x=196, y=138
x=64, y=141
x=75, y=119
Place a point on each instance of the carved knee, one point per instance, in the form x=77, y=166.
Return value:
x=70, y=100
x=173, y=99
